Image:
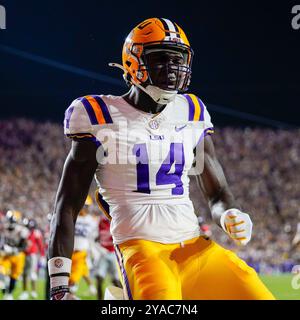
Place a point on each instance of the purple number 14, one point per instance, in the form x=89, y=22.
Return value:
x=163, y=177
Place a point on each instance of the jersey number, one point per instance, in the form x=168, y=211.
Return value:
x=163, y=177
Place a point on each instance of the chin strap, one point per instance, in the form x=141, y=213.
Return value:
x=160, y=96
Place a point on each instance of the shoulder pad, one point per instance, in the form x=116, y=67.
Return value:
x=196, y=107
x=198, y=112
x=83, y=114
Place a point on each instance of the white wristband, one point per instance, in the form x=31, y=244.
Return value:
x=59, y=281
x=59, y=265
x=217, y=210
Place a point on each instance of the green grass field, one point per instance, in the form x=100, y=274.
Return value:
x=280, y=285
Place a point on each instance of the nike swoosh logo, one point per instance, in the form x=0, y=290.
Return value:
x=177, y=129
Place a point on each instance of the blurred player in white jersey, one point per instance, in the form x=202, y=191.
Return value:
x=85, y=232
x=140, y=147
x=13, y=258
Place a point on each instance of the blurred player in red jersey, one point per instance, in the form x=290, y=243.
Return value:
x=35, y=253
x=106, y=264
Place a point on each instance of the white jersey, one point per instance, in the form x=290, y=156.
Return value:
x=85, y=230
x=143, y=178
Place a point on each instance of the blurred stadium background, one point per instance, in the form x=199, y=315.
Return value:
x=244, y=69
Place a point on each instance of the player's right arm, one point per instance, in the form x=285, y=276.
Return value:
x=77, y=175
x=76, y=179
x=78, y=171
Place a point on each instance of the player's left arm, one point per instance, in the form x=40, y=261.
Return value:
x=224, y=209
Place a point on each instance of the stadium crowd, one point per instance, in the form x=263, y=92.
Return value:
x=262, y=167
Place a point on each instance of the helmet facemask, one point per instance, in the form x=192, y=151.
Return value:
x=168, y=67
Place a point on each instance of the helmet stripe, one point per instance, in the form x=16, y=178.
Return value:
x=177, y=30
x=169, y=24
x=171, y=27
x=165, y=27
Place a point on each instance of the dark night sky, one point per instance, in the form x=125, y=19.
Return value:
x=247, y=56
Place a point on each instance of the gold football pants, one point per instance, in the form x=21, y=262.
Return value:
x=79, y=266
x=195, y=269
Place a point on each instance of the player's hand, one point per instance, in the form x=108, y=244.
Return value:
x=238, y=225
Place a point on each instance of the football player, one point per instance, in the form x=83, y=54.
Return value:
x=85, y=232
x=15, y=241
x=140, y=147
x=2, y=253
x=35, y=255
